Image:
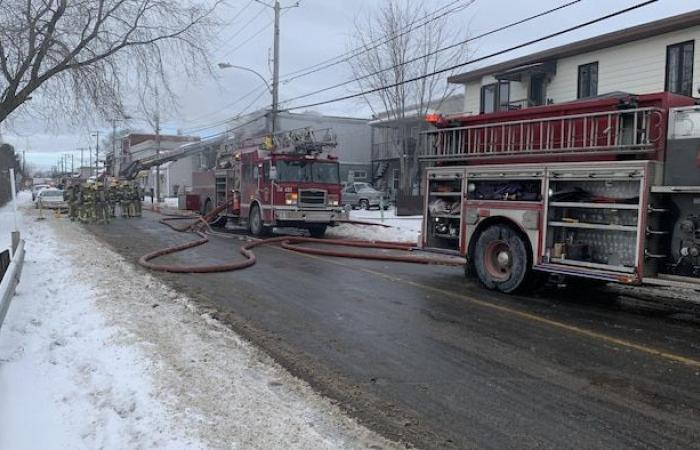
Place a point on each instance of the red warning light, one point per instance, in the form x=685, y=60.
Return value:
x=433, y=118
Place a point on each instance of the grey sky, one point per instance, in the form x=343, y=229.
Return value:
x=321, y=29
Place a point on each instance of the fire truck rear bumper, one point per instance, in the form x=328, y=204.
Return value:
x=310, y=216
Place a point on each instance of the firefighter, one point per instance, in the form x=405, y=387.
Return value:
x=87, y=209
x=70, y=196
x=136, y=200
x=100, y=204
x=113, y=197
x=124, y=202
x=76, y=204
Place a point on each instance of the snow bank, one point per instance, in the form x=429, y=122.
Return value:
x=402, y=229
x=96, y=353
x=65, y=379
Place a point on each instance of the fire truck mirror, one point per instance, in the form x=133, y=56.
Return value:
x=273, y=173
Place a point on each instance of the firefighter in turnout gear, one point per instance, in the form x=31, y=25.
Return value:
x=113, y=198
x=125, y=199
x=135, y=196
x=86, y=208
x=73, y=191
x=100, y=204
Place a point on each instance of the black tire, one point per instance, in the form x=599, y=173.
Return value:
x=503, y=261
x=364, y=204
x=255, y=222
x=318, y=231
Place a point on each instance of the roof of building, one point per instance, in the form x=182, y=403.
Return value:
x=655, y=28
x=448, y=105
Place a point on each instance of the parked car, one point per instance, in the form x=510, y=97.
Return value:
x=36, y=188
x=50, y=198
x=364, y=196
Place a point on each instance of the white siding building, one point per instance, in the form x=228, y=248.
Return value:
x=653, y=57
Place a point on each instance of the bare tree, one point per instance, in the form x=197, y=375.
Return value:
x=80, y=56
x=400, y=41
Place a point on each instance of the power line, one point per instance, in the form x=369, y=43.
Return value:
x=323, y=65
x=235, y=102
x=435, y=52
x=240, y=30
x=234, y=18
x=457, y=66
x=253, y=36
x=225, y=121
x=250, y=38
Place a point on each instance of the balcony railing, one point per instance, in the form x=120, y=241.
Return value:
x=622, y=131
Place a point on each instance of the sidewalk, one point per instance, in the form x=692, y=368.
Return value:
x=96, y=353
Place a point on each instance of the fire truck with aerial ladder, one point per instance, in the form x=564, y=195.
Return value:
x=283, y=180
x=288, y=179
x=605, y=188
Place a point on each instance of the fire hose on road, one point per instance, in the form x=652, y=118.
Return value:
x=200, y=226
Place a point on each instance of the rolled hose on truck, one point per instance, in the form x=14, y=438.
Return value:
x=287, y=242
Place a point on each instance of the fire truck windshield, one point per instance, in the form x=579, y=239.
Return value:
x=309, y=171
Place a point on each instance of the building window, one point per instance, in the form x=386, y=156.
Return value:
x=588, y=80
x=495, y=97
x=395, y=179
x=359, y=174
x=679, y=68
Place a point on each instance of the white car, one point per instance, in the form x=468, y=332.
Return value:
x=50, y=198
x=38, y=188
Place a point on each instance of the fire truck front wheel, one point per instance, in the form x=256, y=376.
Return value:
x=255, y=222
x=502, y=259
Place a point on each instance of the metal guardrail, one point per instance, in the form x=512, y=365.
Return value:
x=621, y=131
x=10, y=280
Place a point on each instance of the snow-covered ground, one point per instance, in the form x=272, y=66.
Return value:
x=401, y=228
x=95, y=353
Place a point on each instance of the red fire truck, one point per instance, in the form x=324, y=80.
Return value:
x=285, y=180
x=606, y=188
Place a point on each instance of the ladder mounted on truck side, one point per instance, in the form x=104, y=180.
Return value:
x=307, y=141
x=621, y=131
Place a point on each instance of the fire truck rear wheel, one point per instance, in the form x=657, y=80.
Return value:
x=502, y=259
x=255, y=222
x=317, y=231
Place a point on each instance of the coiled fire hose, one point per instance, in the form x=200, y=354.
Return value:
x=198, y=225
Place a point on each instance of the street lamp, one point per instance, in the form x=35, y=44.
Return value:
x=114, y=142
x=96, y=135
x=225, y=65
x=271, y=90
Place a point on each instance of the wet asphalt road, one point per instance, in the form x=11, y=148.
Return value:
x=423, y=355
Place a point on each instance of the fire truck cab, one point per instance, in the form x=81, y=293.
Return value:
x=605, y=188
x=286, y=180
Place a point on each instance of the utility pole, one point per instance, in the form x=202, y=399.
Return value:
x=276, y=60
x=81, y=160
x=276, y=68
x=97, y=152
x=157, y=155
x=157, y=148
x=114, y=145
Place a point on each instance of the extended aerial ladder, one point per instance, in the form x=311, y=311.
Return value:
x=184, y=151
